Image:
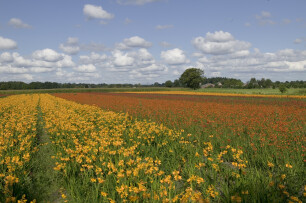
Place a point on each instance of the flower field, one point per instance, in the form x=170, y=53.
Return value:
x=153, y=148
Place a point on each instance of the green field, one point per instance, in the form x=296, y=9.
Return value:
x=270, y=91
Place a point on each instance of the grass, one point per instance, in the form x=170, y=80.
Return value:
x=270, y=91
x=76, y=90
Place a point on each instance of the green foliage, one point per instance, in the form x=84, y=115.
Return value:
x=192, y=78
x=282, y=88
x=168, y=83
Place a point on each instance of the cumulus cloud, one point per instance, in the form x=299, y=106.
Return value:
x=238, y=60
x=6, y=57
x=13, y=70
x=136, y=42
x=121, y=59
x=65, y=62
x=88, y=68
x=219, y=43
x=163, y=27
x=69, y=49
x=92, y=58
x=135, y=2
x=47, y=55
x=71, y=46
x=17, y=23
x=174, y=57
x=6, y=44
x=96, y=12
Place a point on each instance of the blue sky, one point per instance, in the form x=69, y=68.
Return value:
x=147, y=41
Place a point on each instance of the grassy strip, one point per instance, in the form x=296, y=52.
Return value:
x=268, y=91
x=76, y=90
x=291, y=91
x=43, y=182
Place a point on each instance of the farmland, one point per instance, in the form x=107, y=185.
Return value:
x=117, y=147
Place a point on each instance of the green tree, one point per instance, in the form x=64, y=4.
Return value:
x=176, y=83
x=282, y=88
x=192, y=78
x=168, y=83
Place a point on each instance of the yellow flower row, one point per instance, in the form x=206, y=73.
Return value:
x=17, y=135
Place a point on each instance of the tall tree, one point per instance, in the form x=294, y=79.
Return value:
x=192, y=78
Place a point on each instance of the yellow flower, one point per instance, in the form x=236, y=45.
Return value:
x=245, y=192
x=283, y=176
x=236, y=198
x=104, y=194
x=270, y=164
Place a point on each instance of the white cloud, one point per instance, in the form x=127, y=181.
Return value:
x=215, y=74
x=135, y=2
x=165, y=44
x=72, y=40
x=96, y=12
x=174, y=57
x=298, y=41
x=142, y=54
x=121, y=59
x=6, y=57
x=153, y=68
x=219, y=43
x=85, y=68
x=47, y=55
x=71, y=46
x=17, y=23
x=65, y=62
x=163, y=27
x=136, y=42
x=265, y=18
x=92, y=58
x=13, y=70
x=262, y=64
x=6, y=44
x=40, y=69
x=69, y=49
x=18, y=77
x=219, y=36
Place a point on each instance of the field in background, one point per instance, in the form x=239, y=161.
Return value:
x=291, y=91
x=268, y=91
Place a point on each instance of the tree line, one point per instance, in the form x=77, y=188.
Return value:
x=192, y=78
